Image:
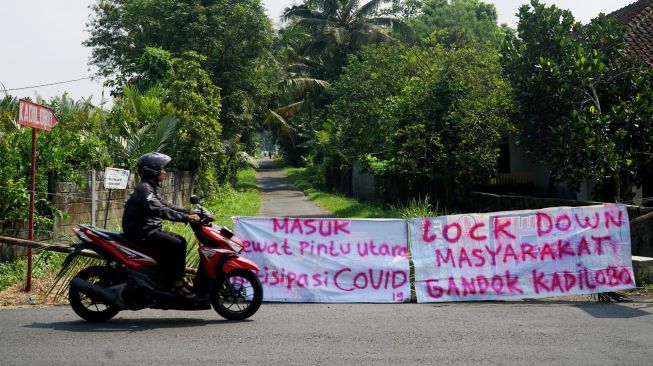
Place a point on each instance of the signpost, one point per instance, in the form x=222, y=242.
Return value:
x=114, y=178
x=38, y=117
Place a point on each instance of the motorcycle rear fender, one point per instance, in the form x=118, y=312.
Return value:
x=239, y=263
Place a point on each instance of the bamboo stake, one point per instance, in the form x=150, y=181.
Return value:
x=61, y=248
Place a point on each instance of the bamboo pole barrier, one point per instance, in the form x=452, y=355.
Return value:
x=46, y=246
x=61, y=248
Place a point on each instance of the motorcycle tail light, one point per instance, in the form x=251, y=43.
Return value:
x=80, y=234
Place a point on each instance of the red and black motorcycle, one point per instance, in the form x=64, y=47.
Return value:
x=131, y=279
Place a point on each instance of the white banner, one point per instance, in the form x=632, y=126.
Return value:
x=522, y=254
x=328, y=260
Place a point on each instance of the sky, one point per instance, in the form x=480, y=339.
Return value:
x=43, y=42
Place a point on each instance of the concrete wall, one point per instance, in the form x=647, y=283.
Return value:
x=16, y=229
x=76, y=202
x=362, y=184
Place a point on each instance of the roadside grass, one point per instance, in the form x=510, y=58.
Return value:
x=44, y=263
x=342, y=206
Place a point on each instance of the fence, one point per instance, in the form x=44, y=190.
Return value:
x=90, y=204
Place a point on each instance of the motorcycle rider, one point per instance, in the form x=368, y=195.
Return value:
x=141, y=222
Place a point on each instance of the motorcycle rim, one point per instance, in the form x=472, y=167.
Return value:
x=245, y=299
x=84, y=306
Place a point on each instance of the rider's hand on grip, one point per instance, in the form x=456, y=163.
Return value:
x=194, y=218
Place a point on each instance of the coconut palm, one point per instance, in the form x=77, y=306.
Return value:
x=296, y=87
x=340, y=27
x=139, y=125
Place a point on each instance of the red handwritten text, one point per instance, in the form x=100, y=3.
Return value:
x=311, y=226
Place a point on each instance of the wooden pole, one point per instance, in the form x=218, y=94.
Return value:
x=30, y=235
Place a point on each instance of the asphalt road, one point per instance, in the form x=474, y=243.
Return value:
x=506, y=333
x=279, y=197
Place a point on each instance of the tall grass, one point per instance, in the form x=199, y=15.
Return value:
x=44, y=264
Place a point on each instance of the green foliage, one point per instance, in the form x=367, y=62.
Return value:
x=72, y=145
x=575, y=88
x=44, y=263
x=234, y=35
x=458, y=22
x=195, y=102
x=426, y=118
x=140, y=123
x=338, y=28
x=403, y=9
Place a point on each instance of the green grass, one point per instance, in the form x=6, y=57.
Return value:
x=44, y=263
x=343, y=206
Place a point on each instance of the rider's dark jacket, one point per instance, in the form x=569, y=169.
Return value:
x=144, y=210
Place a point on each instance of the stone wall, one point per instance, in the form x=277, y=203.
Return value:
x=16, y=229
x=76, y=202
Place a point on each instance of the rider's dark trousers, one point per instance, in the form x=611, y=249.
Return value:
x=169, y=249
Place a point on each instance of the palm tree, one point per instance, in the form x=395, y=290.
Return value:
x=140, y=125
x=296, y=87
x=340, y=27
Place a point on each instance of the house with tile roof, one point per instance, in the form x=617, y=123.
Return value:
x=638, y=20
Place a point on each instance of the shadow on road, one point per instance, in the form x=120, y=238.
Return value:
x=613, y=310
x=129, y=325
x=599, y=310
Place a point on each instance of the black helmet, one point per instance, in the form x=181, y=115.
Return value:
x=150, y=164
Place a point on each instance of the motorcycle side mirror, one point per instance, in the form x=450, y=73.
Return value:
x=194, y=199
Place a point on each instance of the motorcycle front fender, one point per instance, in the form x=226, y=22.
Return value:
x=239, y=263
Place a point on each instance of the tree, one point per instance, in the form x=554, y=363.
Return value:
x=196, y=103
x=427, y=119
x=458, y=22
x=297, y=91
x=340, y=27
x=234, y=35
x=139, y=123
x=581, y=100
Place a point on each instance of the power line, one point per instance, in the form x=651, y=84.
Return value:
x=37, y=86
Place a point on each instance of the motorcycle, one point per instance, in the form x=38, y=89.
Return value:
x=131, y=278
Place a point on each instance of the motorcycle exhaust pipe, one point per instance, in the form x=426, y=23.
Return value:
x=96, y=293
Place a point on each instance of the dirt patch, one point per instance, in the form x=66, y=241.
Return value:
x=16, y=297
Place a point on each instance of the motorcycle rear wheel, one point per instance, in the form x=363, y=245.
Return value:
x=87, y=308
x=247, y=299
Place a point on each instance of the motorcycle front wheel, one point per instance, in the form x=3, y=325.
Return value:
x=83, y=305
x=240, y=301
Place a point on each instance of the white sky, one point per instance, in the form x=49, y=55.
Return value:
x=42, y=42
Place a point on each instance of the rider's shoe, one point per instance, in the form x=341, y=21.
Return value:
x=183, y=291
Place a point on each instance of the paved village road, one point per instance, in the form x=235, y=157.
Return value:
x=507, y=333
x=279, y=197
